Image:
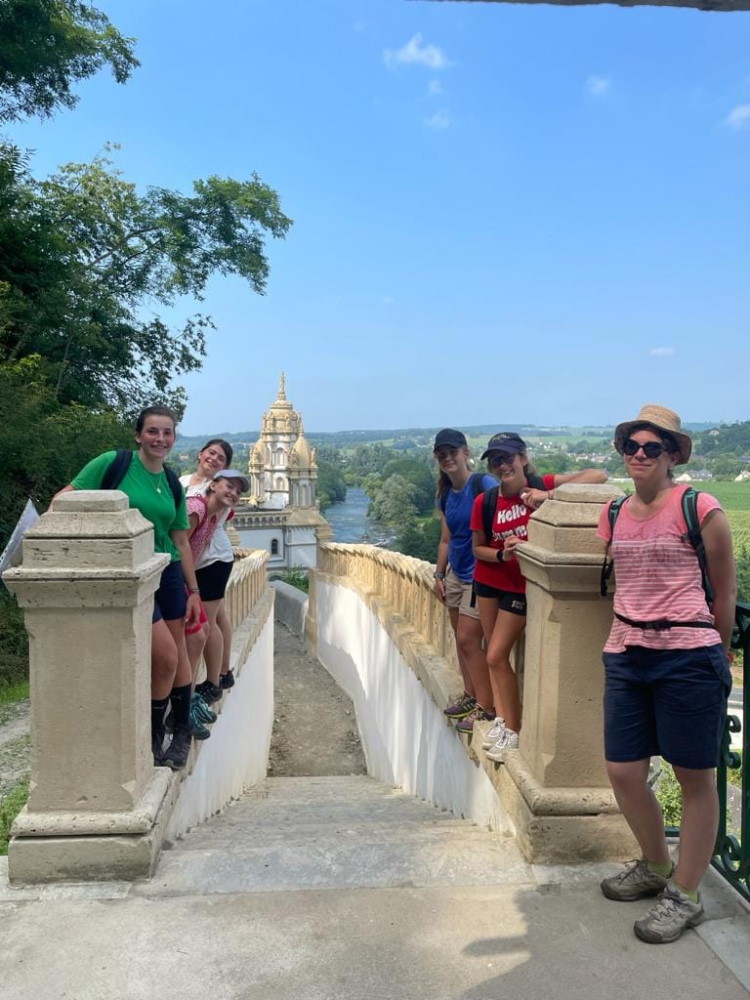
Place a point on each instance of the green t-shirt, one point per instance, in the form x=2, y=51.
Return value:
x=148, y=492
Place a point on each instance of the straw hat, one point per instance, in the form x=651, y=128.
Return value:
x=661, y=419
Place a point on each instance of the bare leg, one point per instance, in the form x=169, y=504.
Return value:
x=194, y=644
x=163, y=660
x=503, y=679
x=183, y=674
x=640, y=807
x=214, y=650
x=700, y=821
x=469, y=637
x=462, y=665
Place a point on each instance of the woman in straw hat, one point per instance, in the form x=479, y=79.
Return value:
x=666, y=668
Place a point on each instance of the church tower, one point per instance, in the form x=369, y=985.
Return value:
x=283, y=470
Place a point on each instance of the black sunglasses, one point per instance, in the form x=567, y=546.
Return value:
x=651, y=449
x=500, y=458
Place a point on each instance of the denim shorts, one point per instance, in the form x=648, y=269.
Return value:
x=670, y=702
x=170, y=599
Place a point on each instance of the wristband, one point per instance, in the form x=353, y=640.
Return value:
x=193, y=590
x=499, y=555
x=438, y=575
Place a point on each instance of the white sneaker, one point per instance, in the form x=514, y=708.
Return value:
x=508, y=741
x=494, y=733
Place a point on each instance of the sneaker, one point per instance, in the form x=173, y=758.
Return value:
x=209, y=692
x=508, y=741
x=461, y=708
x=477, y=714
x=494, y=733
x=635, y=881
x=198, y=730
x=670, y=915
x=202, y=711
x=226, y=681
x=176, y=754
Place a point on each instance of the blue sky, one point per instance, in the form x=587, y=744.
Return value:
x=503, y=213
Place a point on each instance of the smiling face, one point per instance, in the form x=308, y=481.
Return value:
x=452, y=461
x=211, y=459
x=156, y=439
x=227, y=491
x=649, y=471
x=509, y=470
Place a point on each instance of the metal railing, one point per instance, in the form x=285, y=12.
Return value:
x=732, y=851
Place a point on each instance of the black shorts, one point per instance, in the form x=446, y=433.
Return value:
x=213, y=580
x=508, y=600
x=170, y=599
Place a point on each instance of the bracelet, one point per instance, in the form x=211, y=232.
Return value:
x=438, y=575
x=193, y=590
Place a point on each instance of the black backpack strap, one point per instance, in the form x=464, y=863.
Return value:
x=489, y=503
x=115, y=472
x=175, y=485
x=477, y=484
x=608, y=565
x=535, y=482
x=694, y=536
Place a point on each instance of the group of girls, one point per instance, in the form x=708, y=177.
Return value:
x=189, y=597
x=477, y=574
x=666, y=660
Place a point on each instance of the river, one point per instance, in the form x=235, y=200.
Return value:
x=350, y=522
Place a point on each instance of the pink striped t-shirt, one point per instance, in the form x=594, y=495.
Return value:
x=658, y=576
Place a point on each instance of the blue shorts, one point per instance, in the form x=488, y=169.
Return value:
x=670, y=702
x=170, y=599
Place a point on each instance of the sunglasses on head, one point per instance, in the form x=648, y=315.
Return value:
x=651, y=449
x=500, y=458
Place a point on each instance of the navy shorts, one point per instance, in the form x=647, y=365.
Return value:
x=670, y=702
x=170, y=599
x=508, y=600
x=213, y=580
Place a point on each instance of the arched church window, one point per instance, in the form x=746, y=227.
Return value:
x=274, y=546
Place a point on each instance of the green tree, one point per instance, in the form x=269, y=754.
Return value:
x=420, y=474
x=419, y=540
x=47, y=46
x=395, y=503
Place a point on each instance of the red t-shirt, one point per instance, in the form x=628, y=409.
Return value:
x=510, y=518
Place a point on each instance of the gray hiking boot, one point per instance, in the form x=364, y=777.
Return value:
x=670, y=915
x=635, y=881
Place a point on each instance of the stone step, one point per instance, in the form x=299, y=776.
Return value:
x=333, y=833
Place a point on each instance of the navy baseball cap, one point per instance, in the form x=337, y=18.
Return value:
x=448, y=438
x=505, y=441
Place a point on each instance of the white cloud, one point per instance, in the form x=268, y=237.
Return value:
x=661, y=352
x=417, y=54
x=440, y=120
x=598, y=86
x=738, y=117
x=435, y=87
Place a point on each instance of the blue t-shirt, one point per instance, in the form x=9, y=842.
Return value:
x=458, y=504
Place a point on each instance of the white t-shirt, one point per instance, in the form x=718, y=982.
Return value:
x=219, y=548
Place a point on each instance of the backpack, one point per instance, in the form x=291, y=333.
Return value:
x=489, y=503
x=477, y=487
x=689, y=503
x=120, y=464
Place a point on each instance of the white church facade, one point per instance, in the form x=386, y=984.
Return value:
x=281, y=514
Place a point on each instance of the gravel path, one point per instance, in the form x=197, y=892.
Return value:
x=15, y=747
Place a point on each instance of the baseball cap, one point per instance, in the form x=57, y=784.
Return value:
x=234, y=474
x=505, y=441
x=448, y=438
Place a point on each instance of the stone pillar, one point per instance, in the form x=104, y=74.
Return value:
x=555, y=786
x=86, y=583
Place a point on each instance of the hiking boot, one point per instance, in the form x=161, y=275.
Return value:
x=477, y=714
x=226, y=681
x=494, y=733
x=157, y=748
x=176, y=754
x=635, y=881
x=508, y=741
x=202, y=712
x=670, y=915
x=198, y=730
x=209, y=692
x=461, y=708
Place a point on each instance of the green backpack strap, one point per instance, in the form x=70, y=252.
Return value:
x=609, y=564
x=694, y=536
